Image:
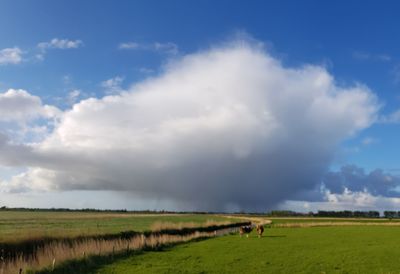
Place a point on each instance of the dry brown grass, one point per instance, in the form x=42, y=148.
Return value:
x=56, y=253
x=254, y=220
x=159, y=226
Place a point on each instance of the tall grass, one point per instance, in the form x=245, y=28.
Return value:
x=160, y=226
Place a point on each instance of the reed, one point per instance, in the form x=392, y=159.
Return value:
x=56, y=253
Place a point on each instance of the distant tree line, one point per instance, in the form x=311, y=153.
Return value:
x=335, y=214
x=348, y=214
x=5, y=208
x=391, y=214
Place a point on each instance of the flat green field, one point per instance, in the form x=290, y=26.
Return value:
x=357, y=249
x=20, y=225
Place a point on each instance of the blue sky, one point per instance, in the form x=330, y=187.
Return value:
x=355, y=41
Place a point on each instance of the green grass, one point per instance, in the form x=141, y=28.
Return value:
x=16, y=225
x=359, y=249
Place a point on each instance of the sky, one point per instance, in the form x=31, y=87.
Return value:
x=200, y=105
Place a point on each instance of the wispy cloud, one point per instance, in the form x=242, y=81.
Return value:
x=10, y=56
x=366, y=56
x=129, y=45
x=60, y=44
x=384, y=57
x=369, y=141
x=146, y=70
x=56, y=43
x=392, y=118
x=112, y=85
x=73, y=96
x=168, y=47
x=396, y=74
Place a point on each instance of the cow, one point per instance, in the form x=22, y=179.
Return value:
x=245, y=229
x=260, y=230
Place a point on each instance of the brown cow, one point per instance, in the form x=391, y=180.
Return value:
x=245, y=229
x=260, y=230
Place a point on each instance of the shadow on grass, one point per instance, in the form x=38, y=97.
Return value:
x=91, y=264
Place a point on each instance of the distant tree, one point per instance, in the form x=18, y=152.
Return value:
x=391, y=214
x=374, y=214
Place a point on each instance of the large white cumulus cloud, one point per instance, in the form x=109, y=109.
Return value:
x=230, y=126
